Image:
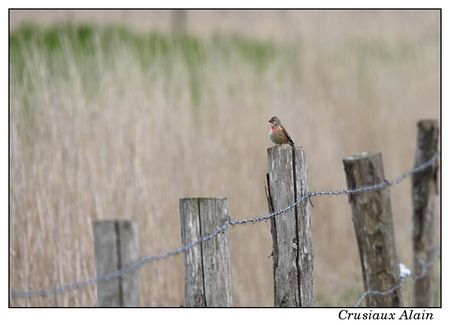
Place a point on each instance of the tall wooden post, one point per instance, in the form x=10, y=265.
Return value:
x=207, y=265
x=291, y=231
x=374, y=228
x=423, y=196
x=116, y=246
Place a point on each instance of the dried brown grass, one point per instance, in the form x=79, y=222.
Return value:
x=361, y=81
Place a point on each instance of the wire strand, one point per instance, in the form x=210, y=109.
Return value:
x=425, y=268
x=17, y=294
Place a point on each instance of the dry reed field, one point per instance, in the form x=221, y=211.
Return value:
x=111, y=116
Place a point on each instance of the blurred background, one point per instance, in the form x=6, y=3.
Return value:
x=118, y=114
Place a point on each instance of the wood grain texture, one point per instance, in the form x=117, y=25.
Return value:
x=216, y=255
x=129, y=253
x=194, y=295
x=116, y=246
x=208, y=265
x=423, y=197
x=291, y=232
x=303, y=213
x=373, y=223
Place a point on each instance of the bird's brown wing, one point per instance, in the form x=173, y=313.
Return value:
x=288, y=137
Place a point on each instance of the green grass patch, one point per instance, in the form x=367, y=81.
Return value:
x=86, y=48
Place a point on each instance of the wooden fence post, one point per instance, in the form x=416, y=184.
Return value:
x=207, y=265
x=291, y=232
x=116, y=246
x=424, y=188
x=374, y=228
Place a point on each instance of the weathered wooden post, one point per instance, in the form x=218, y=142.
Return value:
x=207, y=265
x=424, y=188
x=374, y=228
x=116, y=246
x=291, y=232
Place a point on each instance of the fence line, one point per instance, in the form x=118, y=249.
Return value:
x=405, y=273
x=17, y=294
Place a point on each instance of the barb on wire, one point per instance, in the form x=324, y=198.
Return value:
x=153, y=258
x=405, y=273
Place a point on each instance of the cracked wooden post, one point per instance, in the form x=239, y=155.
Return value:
x=116, y=246
x=291, y=231
x=424, y=189
x=374, y=228
x=207, y=265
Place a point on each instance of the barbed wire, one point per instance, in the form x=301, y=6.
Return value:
x=17, y=294
x=367, y=188
x=116, y=274
x=405, y=273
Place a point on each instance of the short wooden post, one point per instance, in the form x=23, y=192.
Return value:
x=424, y=188
x=207, y=265
x=116, y=246
x=374, y=228
x=291, y=232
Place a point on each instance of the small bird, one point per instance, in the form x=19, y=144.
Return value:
x=278, y=133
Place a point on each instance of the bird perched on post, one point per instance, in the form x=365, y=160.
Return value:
x=278, y=133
